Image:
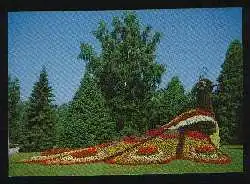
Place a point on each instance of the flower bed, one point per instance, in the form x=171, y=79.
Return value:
x=201, y=150
x=159, y=146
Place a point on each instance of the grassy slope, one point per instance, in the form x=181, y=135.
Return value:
x=176, y=166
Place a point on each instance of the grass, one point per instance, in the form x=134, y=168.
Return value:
x=174, y=167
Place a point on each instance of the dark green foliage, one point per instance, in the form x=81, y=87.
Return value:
x=88, y=120
x=202, y=93
x=168, y=103
x=40, y=124
x=126, y=69
x=203, y=126
x=23, y=132
x=62, y=119
x=228, y=98
x=175, y=97
x=13, y=109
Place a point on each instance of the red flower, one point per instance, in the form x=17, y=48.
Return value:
x=103, y=145
x=110, y=161
x=197, y=135
x=92, y=150
x=84, y=153
x=148, y=150
x=169, y=136
x=205, y=149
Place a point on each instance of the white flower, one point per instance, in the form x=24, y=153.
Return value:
x=193, y=120
x=69, y=157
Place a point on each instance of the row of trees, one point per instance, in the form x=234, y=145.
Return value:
x=119, y=94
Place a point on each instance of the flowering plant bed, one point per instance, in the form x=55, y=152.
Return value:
x=160, y=145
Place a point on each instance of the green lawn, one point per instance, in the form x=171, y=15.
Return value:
x=176, y=166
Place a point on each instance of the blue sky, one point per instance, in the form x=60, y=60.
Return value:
x=192, y=39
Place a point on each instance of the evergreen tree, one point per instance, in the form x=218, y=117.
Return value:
x=168, y=103
x=62, y=113
x=40, y=116
x=228, y=98
x=22, y=128
x=89, y=121
x=126, y=69
x=175, y=98
x=13, y=109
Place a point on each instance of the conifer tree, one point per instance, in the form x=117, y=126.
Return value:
x=89, y=121
x=13, y=109
x=175, y=98
x=40, y=125
x=168, y=103
x=228, y=98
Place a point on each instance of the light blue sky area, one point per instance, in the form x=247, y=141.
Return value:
x=192, y=39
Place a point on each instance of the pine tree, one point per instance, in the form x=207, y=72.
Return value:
x=228, y=98
x=175, y=98
x=62, y=113
x=40, y=116
x=13, y=109
x=89, y=121
x=168, y=103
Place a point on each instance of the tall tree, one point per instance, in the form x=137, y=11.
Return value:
x=62, y=119
x=168, y=102
x=40, y=116
x=126, y=69
x=175, y=98
x=13, y=109
x=22, y=131
x=89, y=121
x=228, y=98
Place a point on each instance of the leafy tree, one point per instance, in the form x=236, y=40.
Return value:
x=228, y=98
x=89, y=121
x=126, y=70
x=40, y=116
x=13, y=109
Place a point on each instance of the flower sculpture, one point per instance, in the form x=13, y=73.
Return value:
x=181, y=138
